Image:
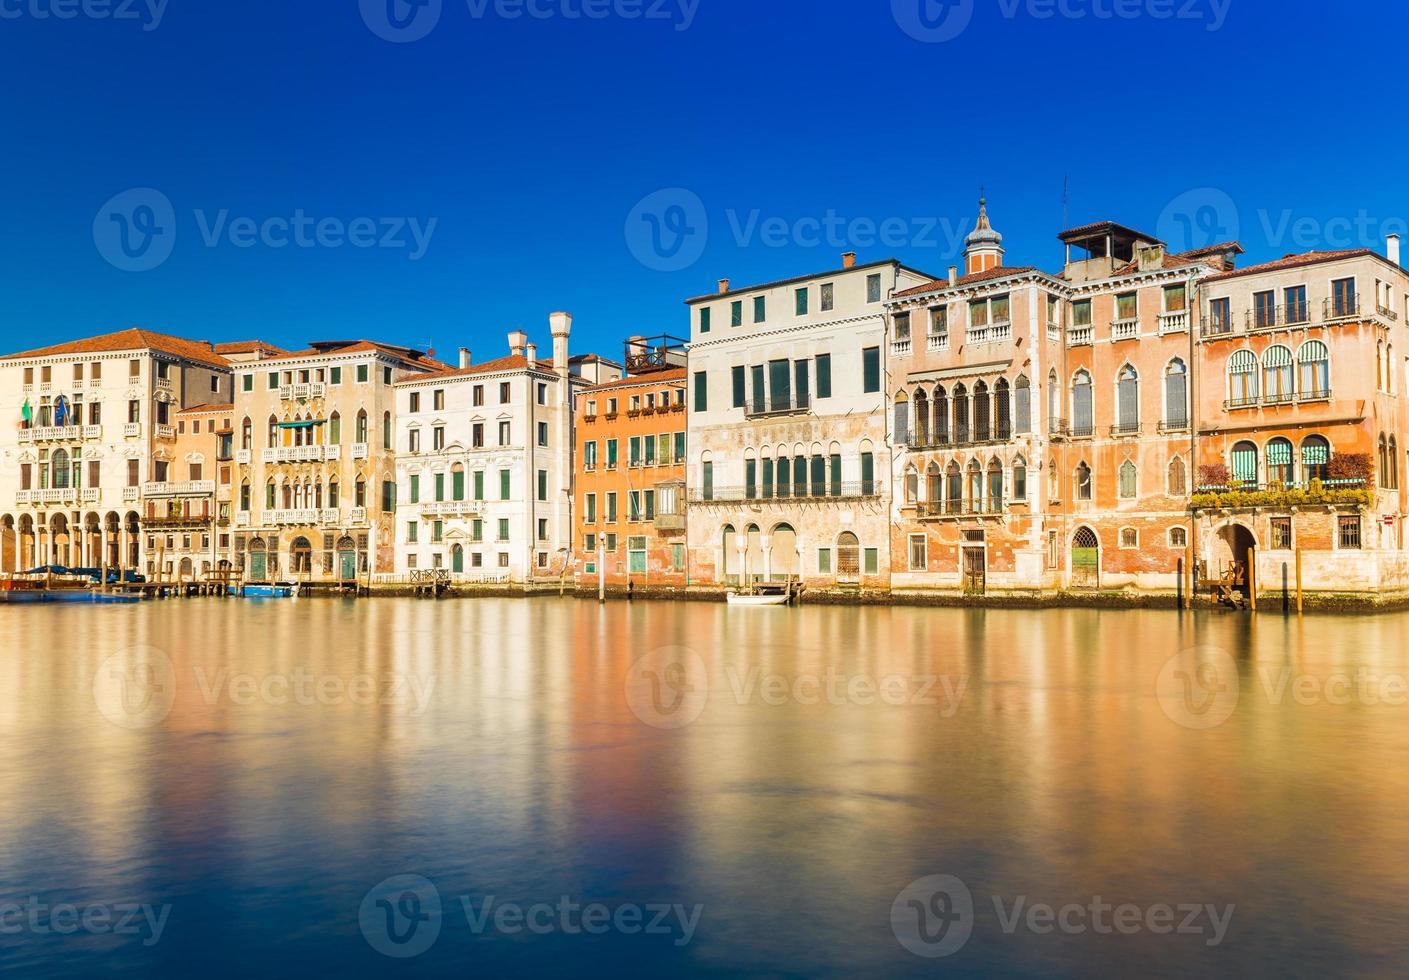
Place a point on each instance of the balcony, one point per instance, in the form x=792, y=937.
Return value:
x=359, y=450
x=991, y=333
x=670, y=522
x=1057, y=428
x=1082, y=430
x=302, y=392
x=939, y=509
x=1174, y=321
x=299, y=516
x=834, y=493
x=1243, y=401
x=1054, y=332
x=201, y=488
x=1314, y=395
x=923, y=440
x=242, y=518
x=1126, y=329
x=1386, y=313
x=164, y=384
x=1080, y=336
x=797, y=405
x=1278, y=398
x=131, y=494
x=1125, y=430
x=52, y=433
x=452, y=508
x=359, y=515
x=1173, y=425
x=300, y=454
x=132, y=430
x=165, y=433
x=900, y=348
x=937, y=342
x=243, y=457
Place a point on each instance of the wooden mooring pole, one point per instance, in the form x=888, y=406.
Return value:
x=1298, y=581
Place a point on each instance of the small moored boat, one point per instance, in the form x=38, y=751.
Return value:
x=269, y=591
x=758, y=599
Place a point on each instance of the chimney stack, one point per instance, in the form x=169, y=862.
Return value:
x=464, y=357
x=724, y=285
x=560, y=325
x=1392, y=248
x=848, y=260
x=531, y=352
x=953, y=274
x=517, y=341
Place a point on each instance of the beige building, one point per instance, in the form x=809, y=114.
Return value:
x=314, y=488
x=95, y=421
x=186, y=508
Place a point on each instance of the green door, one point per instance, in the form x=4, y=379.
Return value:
x=457, y=559
x=347, y=564
x=259, y=568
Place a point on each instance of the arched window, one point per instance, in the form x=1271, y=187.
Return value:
x=1242, y=378
x=785, y=475
x=1022, y=405
x=922, y=417
x=975, y=472
x=1083, y=481
x=60, y=470
x=1315, y=458
x=995, y=485
x=1082, y=419
x=954, y=489
x=941, y=416
x=273, y=433
x=1389, y=368
x=386, y=430
x=333, y=493
x=1244, y=462
x=982, y=430
x=1315, y=369
x=361, y=426
x=1379, y=365
x=1279, y=461
x=934, y=486
x=335, y=429
x=1128, y=476
x=246, y=434
x=270, y=501
x=902, y=419
x=1382, y=474
x=1054, y=401
x=1178, y=537
x=1277, y=374
x=457, y=482
x=961, y=414
x=1020, y=480
x=1002, y=410
x=912, y=480
x=1176, y=395
x=1393, y=464
x=1128, y=399
x=1177, y=477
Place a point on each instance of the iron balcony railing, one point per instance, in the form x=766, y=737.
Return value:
x=830, y=492
x=794, y=405
x=959, y=508
x=1125, y=429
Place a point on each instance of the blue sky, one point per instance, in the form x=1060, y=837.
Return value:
x=464, y=167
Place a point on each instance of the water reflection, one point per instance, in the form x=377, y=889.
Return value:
x=308, y=750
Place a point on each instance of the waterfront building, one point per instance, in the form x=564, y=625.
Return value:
x=484, y=463
x=789, y=457
x=630, y=472
x=95, y=421
x=185, y=510
x=315, y=480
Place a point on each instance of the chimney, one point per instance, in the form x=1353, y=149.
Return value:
x=517, y=341
x=1392, y=248
x=953, y=274
x=724, y=285
x=464, y=357
x=560, y=325
x=848, y=260
x=531, y=352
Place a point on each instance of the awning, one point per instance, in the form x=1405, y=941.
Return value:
x=301, y=425
x=943, y=374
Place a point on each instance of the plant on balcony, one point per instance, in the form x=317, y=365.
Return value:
x=1351, y=466
x=1213, y=475
x=1278, y=497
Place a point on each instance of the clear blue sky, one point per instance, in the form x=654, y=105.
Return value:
x=532, y=141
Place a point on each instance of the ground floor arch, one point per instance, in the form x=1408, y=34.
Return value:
x=1085, y=559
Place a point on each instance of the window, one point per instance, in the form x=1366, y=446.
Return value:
x=701, y=392
x=1220, y=316
x=1315, y=365
x=736, y=376
x=542, y=394
x=1242, y=378
x=477, y=396
x=1176, y=299
x=611, y=507
x=1129, y=537
x=873, y=288
x=479, y=484
x=871, y=369
x=1281, y=533
x=1126, y=306
x=1176, y=388
x=872, y=558
x=1081, y=313
x=736, y=313
x=800, y=301
x=1128, y=400
x=1315, y=458
x=1023, y=405
x=1082, y=419
x=1343, y=303
x=1264, y=309
x=542, y=484
x=1244, y=459
x=247, y=382
x=589, y=508
x=1020, y=480
x=505, y=433
x=362, y=374
x=1348, y=528
x=1176, y=477
x=273, y=381
x=335, y=375
x=1294, y=304
x=828, y=297
x=1178, y=537
x=704, y=319
x=1279, y=461
x=503, y=484
x=503, y=530
x=543, y=433
x=760, y=309
x=824, y=561
x=415, y=402
x=868, y=474
x=1083, y=481
x=707, y=480
x=824, y=375
x=1277, y=374
x=1129, y=475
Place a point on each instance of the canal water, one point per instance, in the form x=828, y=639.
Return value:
x=553, y=787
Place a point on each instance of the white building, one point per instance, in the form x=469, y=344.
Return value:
x=484, y=462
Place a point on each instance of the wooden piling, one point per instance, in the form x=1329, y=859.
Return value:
x=1252, y=579
x=1298, y=580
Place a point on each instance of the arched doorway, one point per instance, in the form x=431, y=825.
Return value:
x=187, y=570
x=259, y=560
x=728, y=561
x=347, y=559
x=9, y=551
x=848, y=557
x=1236, y=549
x=457, y=559
x=753, y=557
x=1085, y=559
x=783, y=558
x=302, y=554
x=59, y=541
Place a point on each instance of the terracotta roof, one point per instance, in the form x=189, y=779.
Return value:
x=247, y=347
x=201, y=409
x=1219, y=249
x=997, y=272
x=1291, y=261
x=135, y=339
x=1084, y=231
x=406, y=354
x=1178, y=261
x=658, y=377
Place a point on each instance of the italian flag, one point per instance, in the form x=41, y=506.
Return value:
x=26, y=413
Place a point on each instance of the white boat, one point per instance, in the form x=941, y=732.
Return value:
x=761, y=599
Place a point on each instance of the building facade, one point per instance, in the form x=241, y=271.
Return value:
x=95, y=423
x=630, y=474
x=789, y=464
x=186, y=506
x=484, y=463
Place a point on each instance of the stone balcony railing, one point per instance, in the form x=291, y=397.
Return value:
x=937, y=342
x=301, y=454
x=60, y=433
x=360, y=450
x=990, y=333
x=164, y=432
x=243, y=457
x=190, y=488
x=302, y=392
x=1125, y=329
x=63, y=495
x=132, y=430
x=1079, y=336
x=452, y=508
x=1176, y=321
x=900, y=347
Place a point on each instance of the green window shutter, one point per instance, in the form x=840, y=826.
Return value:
x=679, y=447
x=415, y=490
x=457, y=484
x=704, y=320
x=801, y=296
x=871, y=369
x=479, y=484
x=335, y=375
x=269, y=496
x=824, y=375
x=736, y=374
x=439, y=487
x=760, y=309
x=701, y=392
x=273, y=380
x=503, y=484
x=736, y=313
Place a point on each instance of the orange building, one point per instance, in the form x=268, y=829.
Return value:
x=629, y=471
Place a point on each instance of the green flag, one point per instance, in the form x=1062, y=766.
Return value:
x=27, y=413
